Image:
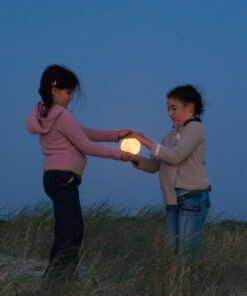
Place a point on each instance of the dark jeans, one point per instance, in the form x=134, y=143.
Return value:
x=62, y=188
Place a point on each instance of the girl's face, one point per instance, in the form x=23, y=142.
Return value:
x=62, y=96
x=178, y=112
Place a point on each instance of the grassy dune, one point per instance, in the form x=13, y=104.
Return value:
x=122, y=255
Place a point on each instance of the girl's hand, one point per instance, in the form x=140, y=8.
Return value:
x=126, y=156
x=145, y=141
x=124, y=134
x=135, y=160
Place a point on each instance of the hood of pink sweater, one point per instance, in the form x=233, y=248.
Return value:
x=37, y=124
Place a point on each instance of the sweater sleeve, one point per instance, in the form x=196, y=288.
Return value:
x=72, y=130
x=148, y=165
x=190, y=137
x=100, y=135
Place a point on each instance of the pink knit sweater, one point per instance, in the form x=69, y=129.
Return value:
x=65, y=142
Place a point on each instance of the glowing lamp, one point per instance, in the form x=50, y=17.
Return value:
x=130, y=145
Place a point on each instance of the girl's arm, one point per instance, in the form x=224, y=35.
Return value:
x=190, y=137
x=145, y=164
x=72, y=130
x=98, y=135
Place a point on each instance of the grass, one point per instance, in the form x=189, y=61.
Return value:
x=122, y=255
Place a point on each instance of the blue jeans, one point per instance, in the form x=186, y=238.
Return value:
x=185, y=223
x=62, y=188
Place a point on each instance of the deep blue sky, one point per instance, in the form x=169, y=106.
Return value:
x=128, y=54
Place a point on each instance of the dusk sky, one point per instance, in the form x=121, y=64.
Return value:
x=127, y=54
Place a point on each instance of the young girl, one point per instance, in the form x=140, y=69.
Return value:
x=65, y=144
x=180, y=160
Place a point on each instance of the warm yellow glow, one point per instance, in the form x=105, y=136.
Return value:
x=131, y=145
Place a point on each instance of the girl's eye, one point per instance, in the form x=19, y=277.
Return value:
x=172, y=108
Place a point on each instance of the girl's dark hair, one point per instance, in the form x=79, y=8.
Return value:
x=59, y=77
x=188, y=94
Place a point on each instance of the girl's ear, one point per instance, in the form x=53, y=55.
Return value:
x=53, y=91
x=191, y=107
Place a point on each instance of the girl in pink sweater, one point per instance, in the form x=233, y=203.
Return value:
x=65, y=144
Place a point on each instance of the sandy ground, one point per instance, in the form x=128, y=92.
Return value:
x=19, y=273
x=12, y=267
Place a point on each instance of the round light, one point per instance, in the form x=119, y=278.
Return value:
x=131, y=145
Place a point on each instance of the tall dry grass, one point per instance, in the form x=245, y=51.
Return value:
x=122, y=255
